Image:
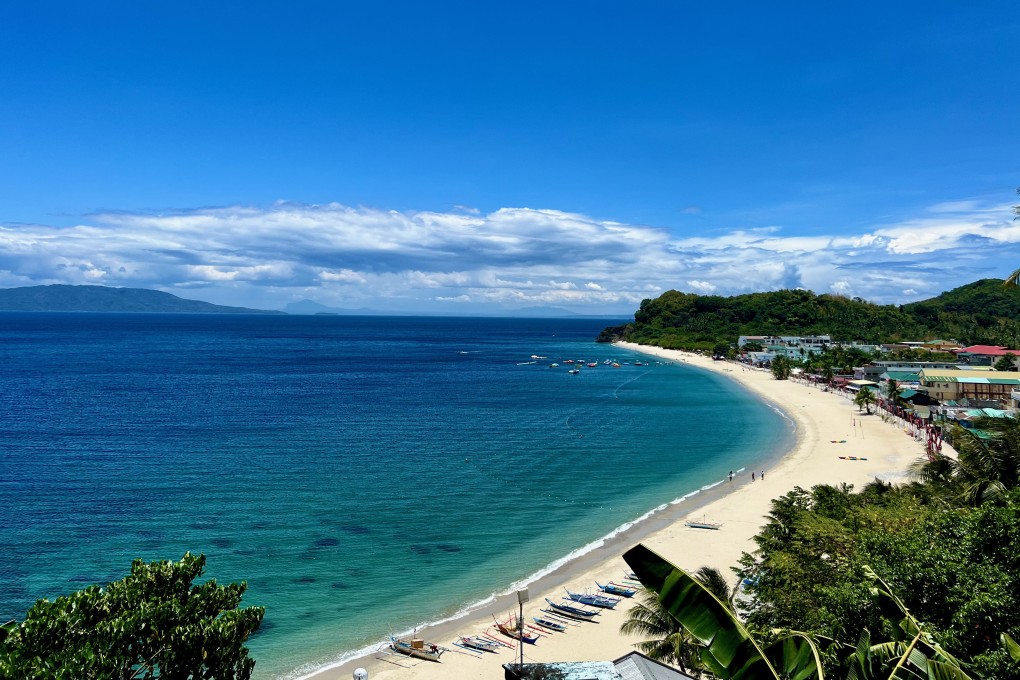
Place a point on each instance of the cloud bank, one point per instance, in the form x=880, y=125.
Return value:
x=463, y=260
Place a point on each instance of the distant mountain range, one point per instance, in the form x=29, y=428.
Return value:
x=65, y=298
x=62, y=298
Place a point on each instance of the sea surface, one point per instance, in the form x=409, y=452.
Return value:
x=363, y=474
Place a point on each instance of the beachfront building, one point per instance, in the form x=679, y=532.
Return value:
x=985, y=355
x=810, y=343
x=956, y=385
x=900, y=371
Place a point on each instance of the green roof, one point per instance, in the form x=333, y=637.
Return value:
x=902, y=376
x=971, y=381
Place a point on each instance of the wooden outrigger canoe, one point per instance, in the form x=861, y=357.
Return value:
x=417, y=648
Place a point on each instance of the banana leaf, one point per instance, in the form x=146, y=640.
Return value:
x=1011, y=647
x=729, y=651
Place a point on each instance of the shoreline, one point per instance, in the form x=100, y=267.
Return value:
x=740, y=505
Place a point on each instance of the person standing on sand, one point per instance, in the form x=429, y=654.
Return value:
x=731, y=475
x=762, y=475
x=752, y=476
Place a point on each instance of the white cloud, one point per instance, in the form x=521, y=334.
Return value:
x=510, y=257
x=701, y=286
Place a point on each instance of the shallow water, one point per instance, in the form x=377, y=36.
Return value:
x=363, y=474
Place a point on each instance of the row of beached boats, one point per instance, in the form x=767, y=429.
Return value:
x=556, y=617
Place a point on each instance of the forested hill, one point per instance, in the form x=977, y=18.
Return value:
x=982, y=312
x=60, y=298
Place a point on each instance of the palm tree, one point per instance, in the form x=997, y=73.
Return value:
x=781, y=367
x=864, y=399
x=730, y=652
x=892, y=393
x=668, y=641
x=985, y=468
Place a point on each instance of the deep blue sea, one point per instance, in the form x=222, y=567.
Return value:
x=363, y=474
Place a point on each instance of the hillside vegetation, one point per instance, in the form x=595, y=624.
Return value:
x=983, y=312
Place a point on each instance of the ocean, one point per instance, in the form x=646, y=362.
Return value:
x=364, y=475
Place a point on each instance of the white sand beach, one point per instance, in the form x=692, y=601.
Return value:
x=740, y=506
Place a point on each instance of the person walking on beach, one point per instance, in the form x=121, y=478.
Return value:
x=762, y=475
x=731, y=475
x=752, y=476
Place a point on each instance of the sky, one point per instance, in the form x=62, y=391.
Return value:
x=465, y=158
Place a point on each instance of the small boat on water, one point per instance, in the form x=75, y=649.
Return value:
x=694, y=524
x=417, y=648
x=593, y=600
x=571, y=612
x=546, y=622
x=536, y=356
x=573, y=371
x=616, y=589
x=480, y=643
x=554, y=365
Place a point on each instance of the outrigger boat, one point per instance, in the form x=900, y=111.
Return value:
x=576, y=613
x=693, y=524
x=479, y=643
x=417, y=648
x=593, y=600
x=616, y=589
x=514, y=629
x=546, y=622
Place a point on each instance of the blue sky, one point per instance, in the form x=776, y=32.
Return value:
x=458, y=157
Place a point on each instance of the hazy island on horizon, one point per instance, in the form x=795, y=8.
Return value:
x=69, y=298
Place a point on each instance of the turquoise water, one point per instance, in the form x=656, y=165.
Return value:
x=363, y=474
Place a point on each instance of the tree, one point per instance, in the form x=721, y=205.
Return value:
x=1007, y=362
x=154, y=623
x=864, y=399
x=986, y=466
x=781, y=368
x=725, y=647
x=892, y=393
x=668, y=641
x=956, y=569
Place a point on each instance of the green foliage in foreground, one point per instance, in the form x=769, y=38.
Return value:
x=955, y=568
x=983, y=312
x=154, y=623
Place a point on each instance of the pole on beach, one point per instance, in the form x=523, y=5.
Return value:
x=522, y=597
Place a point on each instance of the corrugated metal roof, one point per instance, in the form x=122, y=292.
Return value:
x=971, y=381
x=901, y=376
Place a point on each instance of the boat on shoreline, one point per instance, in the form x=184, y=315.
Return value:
x=546, y=622
x=516, y=630
x=570, y=612
x=416, y=648
x=479, y=643
x=694, y=524
x=616, y=589
x=593, y=600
